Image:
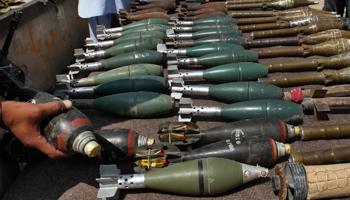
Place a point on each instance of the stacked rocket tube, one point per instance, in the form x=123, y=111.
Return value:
x=300, y=39
x=279, y=5
x=329, y=48
x=266, y=13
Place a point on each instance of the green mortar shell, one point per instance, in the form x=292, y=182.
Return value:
x=211, y=20
x=133, y=84
x=151, y=27
x=213, y=25
x=128, y=71
x=145, y=22
x=219, y=175
x=205, y=49
x=233, y=72
x=143, y=34
x=216, y=31
x=133, y=45
x=135, y=57
x=244, y=91
x=135, y=104
x=284, y=110
x=233, y=39
x=227, y=56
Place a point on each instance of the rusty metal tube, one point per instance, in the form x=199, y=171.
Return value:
x=286, y=41
x=334, y=62
x=325, y=77
x=279, y=5
x=328, y=48
x=149, y=10
x=279, y=52
x=166, y=5
x=303, y=30
x=201, y=16
x=205, y=10
x=133, y=18
x=325, y=132
x=260, y=27
x=321, y=157
x=246, y=14
x=210, y=4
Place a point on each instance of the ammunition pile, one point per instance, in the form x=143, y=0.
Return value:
x=151, y=68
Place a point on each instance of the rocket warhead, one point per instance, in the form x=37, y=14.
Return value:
x=227, y=174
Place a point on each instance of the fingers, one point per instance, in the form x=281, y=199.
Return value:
x=44, y=146
x=54, y=107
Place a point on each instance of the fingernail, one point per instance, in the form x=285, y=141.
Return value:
x=67, y=103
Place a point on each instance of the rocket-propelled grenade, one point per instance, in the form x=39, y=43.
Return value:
x=166, y=5
x=70, y=131
x=90, y=44
x=206, y=5
x=152, y=1
x=300, y=39
x=321, y=157
x=202, y=16
x=101, y=35
x=203, y=33
x=129, y=84
x=228, y=92
x=279, y=5
x=185, y=133
x=303, y=30
x=265, y=13
x=201, y=27
x=295, y=19
x=182, y=133
x=125, y=18
x=284, y=23
x=329, y=48
x=204, y=10
x=128, y=46
x=135, y=57
x=217, y=58
x=209, y=20
x=297, y=181
x=286, y=111
x=209, y=40
x=325, y=77
x=233, y=72
x=132, y=25
x=338, y=61
x=120, y=144
x=200, y=50
x=254, y=150
x=130, y=104
x=114, y=74
x=227, y=174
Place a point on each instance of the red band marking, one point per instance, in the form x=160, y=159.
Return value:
x=283, y=134
x=130, y=142
x=273, y=150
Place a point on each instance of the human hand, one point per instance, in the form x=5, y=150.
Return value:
x=24, y=120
